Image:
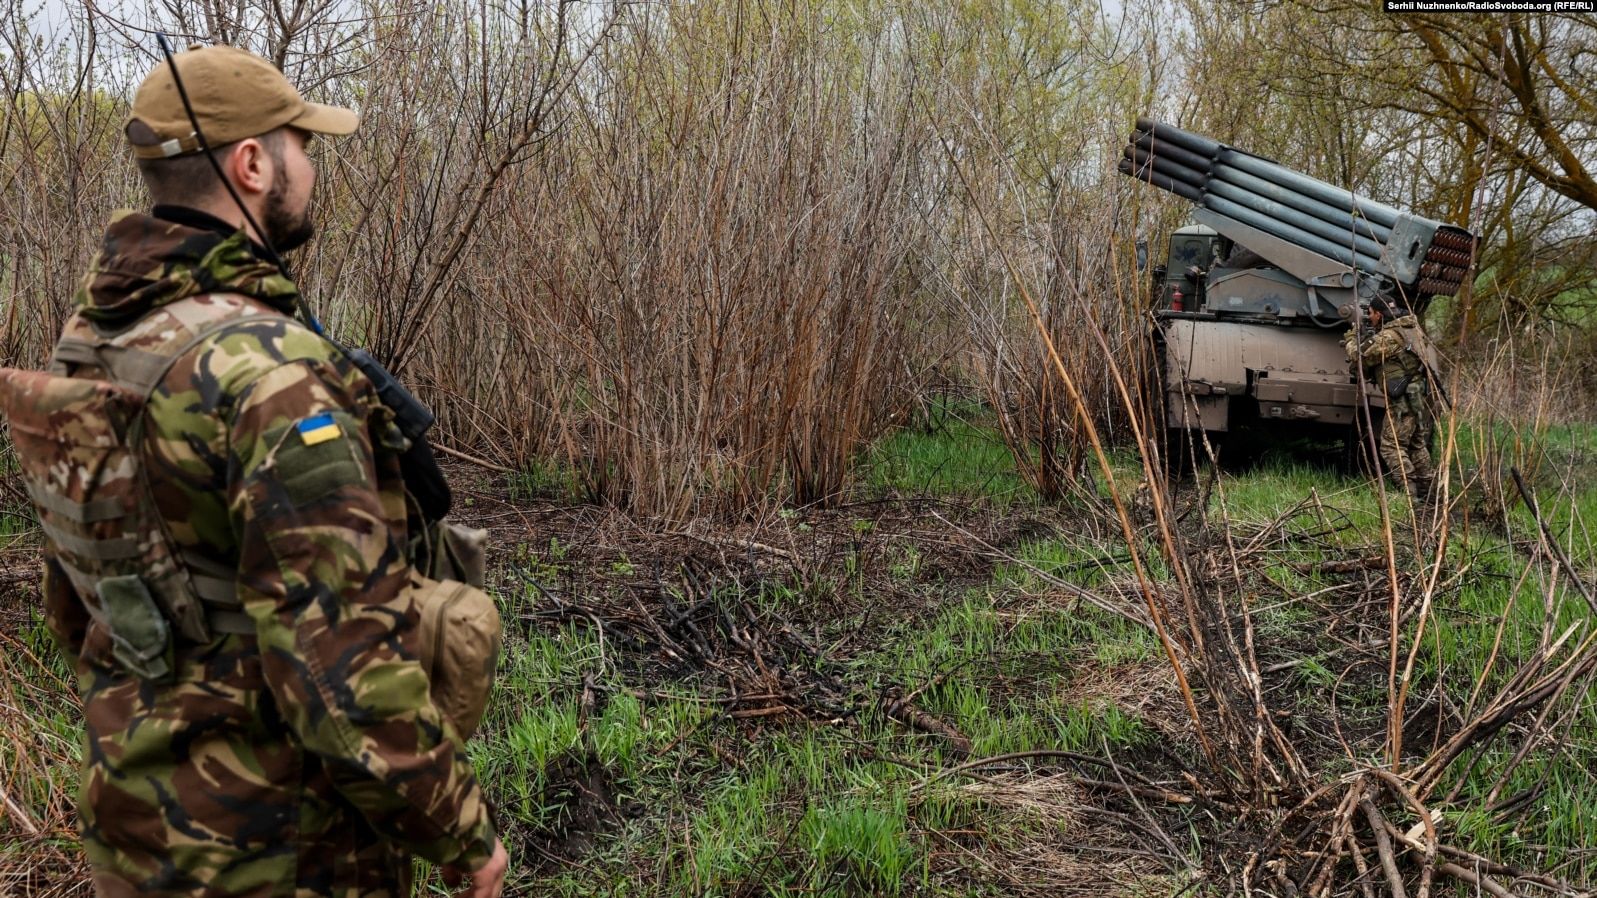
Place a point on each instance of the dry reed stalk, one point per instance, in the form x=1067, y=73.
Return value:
x=1156, y=611
x=37, y=812
x=682, y=275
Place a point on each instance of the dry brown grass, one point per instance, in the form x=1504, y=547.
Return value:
x=39, y=751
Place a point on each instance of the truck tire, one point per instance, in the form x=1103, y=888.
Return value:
x=1359, y=459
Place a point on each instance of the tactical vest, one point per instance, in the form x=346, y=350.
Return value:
x=1408, y=371
x=79, y=430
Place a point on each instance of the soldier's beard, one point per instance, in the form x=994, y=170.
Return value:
x=286, y=229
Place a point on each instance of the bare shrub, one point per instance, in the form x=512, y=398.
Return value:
x=1088, y=307
x=709, y=308
x=664, y=248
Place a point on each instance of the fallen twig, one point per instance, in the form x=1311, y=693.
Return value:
x=900, y=709
x=1128, y=612
x=1383, y=846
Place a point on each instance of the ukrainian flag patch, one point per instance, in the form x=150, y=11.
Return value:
x=318, y=429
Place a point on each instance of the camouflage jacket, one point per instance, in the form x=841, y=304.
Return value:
x=306, y=758
x=1395, y=355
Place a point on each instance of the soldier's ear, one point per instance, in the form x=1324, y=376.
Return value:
x=251, y=168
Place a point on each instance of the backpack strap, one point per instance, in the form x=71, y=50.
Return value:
x=136, y=366
x=82, y=512
x=217, y=587
x=139, y=369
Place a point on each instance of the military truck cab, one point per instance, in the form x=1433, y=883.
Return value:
x=1194, y=248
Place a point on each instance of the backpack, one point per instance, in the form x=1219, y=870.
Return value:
x=79, y=441
x=79, y=444
x=461, y=634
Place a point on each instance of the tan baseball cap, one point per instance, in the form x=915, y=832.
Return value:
x=235, y=94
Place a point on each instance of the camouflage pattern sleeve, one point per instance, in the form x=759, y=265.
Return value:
x=321, y=572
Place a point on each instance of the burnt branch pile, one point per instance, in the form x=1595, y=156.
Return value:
x=707, y=625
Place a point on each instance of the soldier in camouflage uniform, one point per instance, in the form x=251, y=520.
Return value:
x=1396, y=354
x=296, y=751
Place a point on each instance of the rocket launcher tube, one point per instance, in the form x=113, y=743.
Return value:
x=1379, y=213
x=1307, y=224
x=1287, y=215
x=1291, y=234
x=1163, y=182
x=1196, y=143
x=1265, y=178
x=1166, y=166
x=1339, y=218
x=1195, y=161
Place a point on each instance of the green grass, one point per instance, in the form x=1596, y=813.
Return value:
x=1561, y=820
x=1456, y=648
x=1465, y=623
x=17, y=519
x=1001, y=674
x=697, y=804
x=860, y=845
x=1079, y=561
x=1011, y=666
x=953, y=454
x=544, y=479
x=815, y=809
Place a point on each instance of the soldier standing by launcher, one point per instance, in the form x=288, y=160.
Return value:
x=1396, y=354
x=257, y=720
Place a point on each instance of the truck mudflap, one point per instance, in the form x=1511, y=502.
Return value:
x=1189, y=411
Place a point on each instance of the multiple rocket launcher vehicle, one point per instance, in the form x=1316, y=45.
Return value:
x=1254, y=300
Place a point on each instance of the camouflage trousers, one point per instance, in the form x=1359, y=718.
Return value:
x=1405, y=441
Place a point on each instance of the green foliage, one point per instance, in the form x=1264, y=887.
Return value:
x=952, y=455
x=544, y=478
x=1490, y=610
x=859, y=847
x=996, y=671
x=733, y=833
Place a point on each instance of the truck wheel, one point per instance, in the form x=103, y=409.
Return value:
x=1184, y=450
x=1358, y=458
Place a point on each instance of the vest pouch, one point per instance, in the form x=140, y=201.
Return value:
x=445, y=550
x=461, y=636
x=140, y=637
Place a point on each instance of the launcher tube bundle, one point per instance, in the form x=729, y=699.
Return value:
x=1316, y=231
